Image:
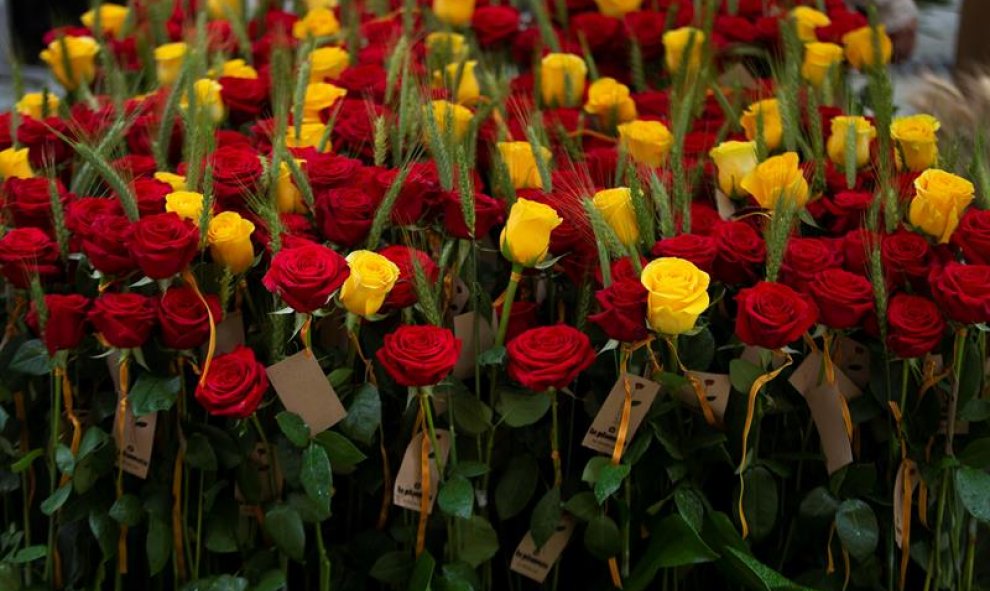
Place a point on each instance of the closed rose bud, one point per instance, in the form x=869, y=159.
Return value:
x=863, y=134
x=610, y=100
x=646, y=142
x=819, y=60
x=734, y=160
x=229, y=237
x=939, y=201
x=32, y=104
x=678, y=294
x=617, y=209
x=675, y=44
x=207, y=93
x=449, y=118
x=773, y=128
x=807, y=19
x=562, y=79
x=776, y=178
x=186, y=204
x=520, y=162
x=456, y=13
x=417, y=356
x=320, y=96
x=318, y=22
x=915, y=141
x=14, y=163
x=78, y=53
x=163, y=244
x=526, y=236
x=372, y=278
x=618, y=8
x=124, y=319
x=288, y=197
x=111, y=17
x=327, y=62
x=168, y=61
x=463, y=75
x=860, y=50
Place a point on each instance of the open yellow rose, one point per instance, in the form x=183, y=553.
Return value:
x=187, y=204
x=168, y=61
x=79, y=53
x=676, y=42
x=318, y=22
x=319, y=97
x=310, y=135
x=939, y=201
x=734, y=160
x=678, y=294
x=616, y=207
x=328, y=62
x=610, y=100
x=525, y=239
x=864, y=134
x=468, y=89
x=860, y=50
x=456, y=13
x=33, y=105
x=773, y=127
x=449, y=117
x=618, y=8
x=776, y=178
x=372, y=277
x=14, y=164
x=646, y=142
x=111, y=18
x=808, y=19
x=238, y=68
x=176, y=181
x=819, y=59
x=916, y=141
x=207, y=94
x=562, y=79
x=229, y=237
x=288, y=197
x=521, y=164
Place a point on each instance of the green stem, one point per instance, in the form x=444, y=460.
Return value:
x=960, y=353
x=269, y=451
x=970, y=555
x=424, y=403
x=558, y=474
x=510, y=296
x=56, y=413
x=199, y=529
x=324, y=560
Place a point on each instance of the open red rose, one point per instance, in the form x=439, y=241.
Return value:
x=915, y=325
x=697, y=248
x=963, y=292
x=487, y=213
x=236, y=173
x=549, y=356
x=417, y=356
x=245, y=98
x=306, y=276
x=65, y=327
x=29, y=201
x=124, y=319
x=804, y=258
x=106, y=245
x=772, y=315
x=345, y=215
x=354, y=128
x=330, y=171
x=905, y=256
x=972, y=236
x=150, y=194
x=163, y=244
x=623, y=315
x=403, y=294
x=183, y=318
x=234, y=386
x=740, y=253
x=82, y=212
x=843, y=298
x=25, y=252
x=44, y=147
x=495, y=24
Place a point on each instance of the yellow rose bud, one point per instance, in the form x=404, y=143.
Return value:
x=32, y=104
x=468, y=90
x=207, y=93
x=776, y=178
x=328, y=62
x=318, y=22
x=288, y=197
x=562, y=78
x=238, y=68
x=734, y=160
x=229, y=237
x=177, y=181
x=616, y=207
x=807, y=20
x=610, y=100
x=521, y=164
x=819, y=59
x=168, y=61
x=223, y=9
x=456, y=13
x=675, y=43
x=314, y=4
x=187, y=204
x=678, y=294
x=310, y=136
x=14, y=164
x=773, y=128
x=860, y=51
x=646, y=142
x=446, y=47
x=526, y=236
x=939, y=201
x=447, y=114
x=80, y=55
x=372, y=277
x=618, y=8
x=915, y=141
x=320, y=96
x=111, y=18
x=836, y=146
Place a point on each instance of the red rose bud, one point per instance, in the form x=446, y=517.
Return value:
x=963, y=292
x=772, y=315
x=345, y=215
x=163, y=244
x=106, y=245
x=417, y=356
x=915, y=325
x=236, y=172
x=234, y=386
x=306, y=276
x=549, y=357
x=150, y=194
x=843, y=298
x=183, y=318
x=25, y=252
x=740, y=253
x=124, y=319
x=972, y=236
x=403, y=294
x=66, y=324
x=623, y=315
x=488, y=212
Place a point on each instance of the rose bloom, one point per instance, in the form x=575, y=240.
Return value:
x=229, y=237
x=106, y=245
x=372, y=278
x=29, y=201
x=963, y=292
x=914, y=325
x=65, y=327
x=344, y=216
x=520, y=162
x=616, y=208
x=523, y=316
x=80, y=55
x=623, y=310
x=773, y=127
x=860, y=51
x=183, y=318
x=549, y=357
x=939, y=201
x=740, y=252
x=776, y=178
x=734, y=161
x=124, y=319
x=819, y=59
x=306, y=276
x=804, y=258
x=404, y=293
x=163, y=244
x=864, y=134
x=675, y=43
x=234, y=385
x=772, y=315
x=610, y=100
x=525, y=239
x=905, y=256
x=647, y=142
x=495, y=24
x=562, y=79
x=972, y=236
x=916, y=141
x=843, y=298
x=697, y=248
x=417, y=356
x=25, y=252
x=678, y=294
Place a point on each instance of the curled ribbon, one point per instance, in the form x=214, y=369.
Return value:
x=304, y=335
x=190, y=279
x=699, y=389
x=60, y=374
x=124, y=377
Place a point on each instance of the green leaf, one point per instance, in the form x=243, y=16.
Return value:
x=760, y=501
x=200, y=454
x=364, y=415
x=393, y=568
x=673, y=542
x=456, y=497
x=478, y=541
x=977, y=454
x=315, y=475
x=343, y=454
x=742, y=374
x=159, y=544
x=975, y=411
x=422, y=573
x=471, y=415
x=31, y=358
x=516, y=487
x=469, y=469
x=63, y=459
x=602, y=538
x=273, y=580
x=285, y=527
x=494, y=356
x=857, y=528
x=756, y=575
x=24, y=462
x=819, y=505
x=294, y=428
x=698, y=350
x=127, y=510
x=29, y=554
x=690, y=506
x=546, y=516
x=609, y=480
x=583, y=506
x=152, y=393
x=593, y=469
x=973, y=485
x=105, y=531
x=58, y=498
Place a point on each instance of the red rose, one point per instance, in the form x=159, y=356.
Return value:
x=163, y=244
x=29, y=201
x=417, y=189
x=403, y=294
x=549, y=357
x=740, y=253
x=66, y=323
x=914, y=325
x=234, y=386
x=522, y=317
x=602, y=163
x=647, y=27
x=245, y=98
x=972, y=236
x=80, y=213
x=44, y=147
x=603, y=34
x=150, y=194
x=25, y=252
x=417, y=356
x=843, y=298
x=106, y=245
x=495, y=24
x=736, y=28
x=306, y=276
x=183, y=318
x=133, y=166
x=124, y=319
x=142, y=134
x=364, y=79
x=354, y=128
x=704, y=218
x=842, y=212
x=697, y=248
x=488, y=212
x=805, y=257
x=621, y=269
x=963, y=292
x=772, y=315
x=905, y=257
x=623, y=315
x=236, y=172
x=345, y=215
x=331, y=171
x=855, y=250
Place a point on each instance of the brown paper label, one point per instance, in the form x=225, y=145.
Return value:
x=230, y=333
x=601, y=435
x=717, y=388
x=408, y=490
x=534, y=563
x=899, y=497
x=810, y=374
x=826, y=411
x=853, y=359
x=472, y=342
x=139, y=432
x=259, y=457
x=306, y=391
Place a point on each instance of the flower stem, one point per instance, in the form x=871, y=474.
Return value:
x=558, y=475
x=56, y=413
x=510, y=296
x=268, y=450
x=324, y=560
x=424, y=403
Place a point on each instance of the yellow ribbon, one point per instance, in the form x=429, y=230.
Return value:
x=190, y=280
x=699, y=389
x=424, y=501
x=124, y=377
x=60, y=374
x=907, y=486
x=304, y=335
x=613, y=570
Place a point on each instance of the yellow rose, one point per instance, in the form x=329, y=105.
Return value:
x=314, y=4
x=610, y=100
x=447, y=47
x=526, y=236
x=916, y=141
x=318, y=22
x=79, y=53
x=468, y=90
x=646, y=142
x=618, y=8
x=177, y=181
x=678, y=294
x=859, y=47
x=819, y=58
x=320, y=96
x=168, y=61
x=734, y=160
x=836, y=147
x=372, y=277
x=111, y=18
x=310, y=135
x=939, y=201
x=562, y=77
x=32, y=104
x=288, y=197
x=188, y=204
x=675, y=42
x=328, y=62
x=775, y=178
x=456, y=13
x=616, y=207
x=444, y=112
x=14, y=164
x=222, y=9
x=238, y=68
x=773, y=128
x=521, y=164
x=207, y=93
x=808, y=19
x=229, y=236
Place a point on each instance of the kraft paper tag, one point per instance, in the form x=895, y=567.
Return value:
x=139, y=432
x=853, y=359
x=259, y=457
x=810, y=373
x=726, y=208
x=717, y=388
x=826, y=411
x=601, y=435
x=752, y=355
x=535, y=563
x=899, y=497
x=230, y=333
x=408, y=490
x=459, y=296
x=464, y=330
x=306, y=391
